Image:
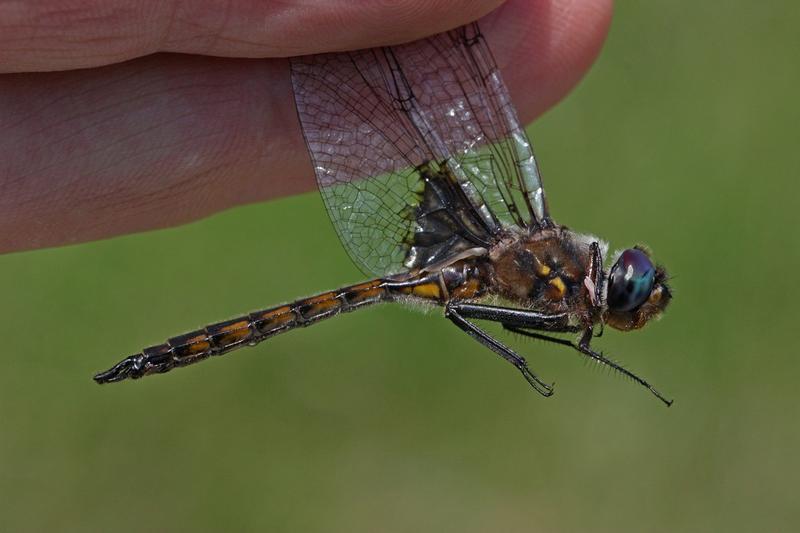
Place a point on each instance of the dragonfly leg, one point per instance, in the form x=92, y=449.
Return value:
x=583, y=347
x=558, y=322
x=452, y=313
x=540, y=336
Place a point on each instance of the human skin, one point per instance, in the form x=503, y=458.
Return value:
x=124, y=116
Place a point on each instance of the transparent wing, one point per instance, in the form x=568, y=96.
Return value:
x=380, y=122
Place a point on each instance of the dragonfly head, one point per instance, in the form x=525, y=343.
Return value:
x=637, y=290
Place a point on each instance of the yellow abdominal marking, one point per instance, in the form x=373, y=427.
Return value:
x=324, y=298
x=427, y=290
x=198, y=344
x=325, y=305
x=235, y=332
x=276, y=318
x=364, y=291
x=236, y=326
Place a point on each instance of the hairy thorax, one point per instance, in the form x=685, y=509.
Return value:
x=545, y=271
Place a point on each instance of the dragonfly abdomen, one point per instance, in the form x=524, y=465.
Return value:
x=247, y=330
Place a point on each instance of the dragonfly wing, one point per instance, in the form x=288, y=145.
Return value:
x=386, y=126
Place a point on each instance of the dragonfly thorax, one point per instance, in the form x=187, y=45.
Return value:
x=545, y=271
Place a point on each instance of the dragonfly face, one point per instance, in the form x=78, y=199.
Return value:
x=433, y=188
x=637, y=291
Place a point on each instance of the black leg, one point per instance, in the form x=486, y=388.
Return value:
x=522, y=318
x=584, y=348
x=540, y=336
x=602, y=329
x=522, y=321
x=451, y=312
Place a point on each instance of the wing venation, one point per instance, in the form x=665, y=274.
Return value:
x=378, y=122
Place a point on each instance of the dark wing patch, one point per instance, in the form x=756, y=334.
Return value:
x=447, y=223
x=373, y=118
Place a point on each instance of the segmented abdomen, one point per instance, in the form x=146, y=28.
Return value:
x=222, y=337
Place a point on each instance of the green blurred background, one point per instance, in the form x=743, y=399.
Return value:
x=683, y=136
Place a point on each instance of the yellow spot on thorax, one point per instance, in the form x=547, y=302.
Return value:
x=466, y=290
x=557, y=289
x=542, y=270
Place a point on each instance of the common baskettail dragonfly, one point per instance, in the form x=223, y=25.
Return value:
x=434, y=191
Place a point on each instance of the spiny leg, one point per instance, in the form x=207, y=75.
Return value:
x=540, y=336
x=500, y=349
x=584, y=348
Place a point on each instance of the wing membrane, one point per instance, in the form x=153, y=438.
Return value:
x=372, y=119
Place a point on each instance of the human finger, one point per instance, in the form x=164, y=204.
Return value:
x=167, y=139
x=51, y=35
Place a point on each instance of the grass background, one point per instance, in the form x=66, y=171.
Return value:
x=683, y=136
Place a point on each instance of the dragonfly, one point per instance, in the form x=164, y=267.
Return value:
x=434, y=191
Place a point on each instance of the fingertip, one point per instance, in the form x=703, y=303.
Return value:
x=326, y=26
x=544, y=48
x=44, y=36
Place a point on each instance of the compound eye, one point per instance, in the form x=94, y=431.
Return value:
x=631, y=280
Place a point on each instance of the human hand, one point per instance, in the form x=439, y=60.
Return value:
x=100, y=135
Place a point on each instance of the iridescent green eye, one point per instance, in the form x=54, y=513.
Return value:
x=630, y=281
